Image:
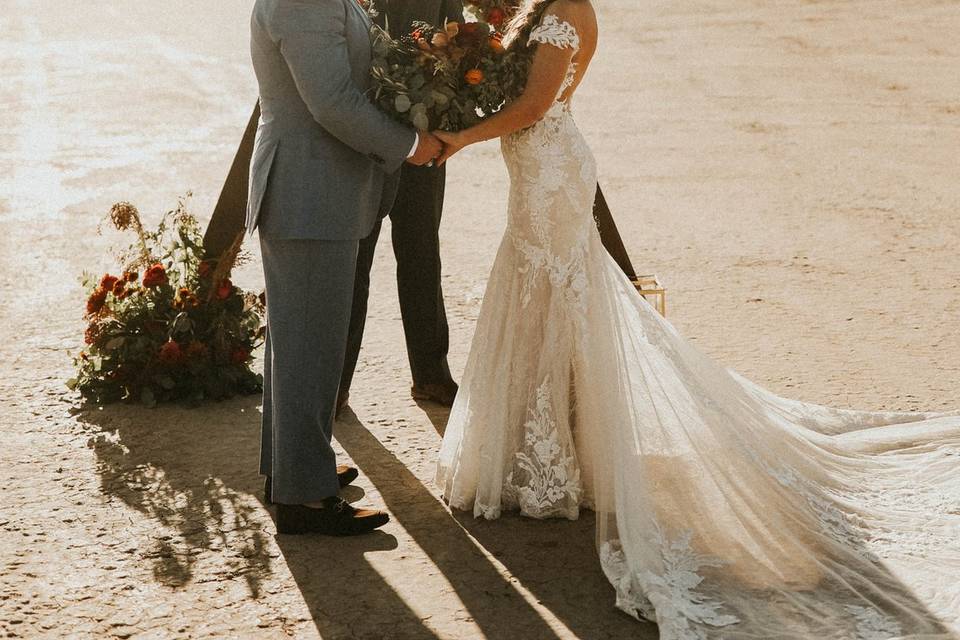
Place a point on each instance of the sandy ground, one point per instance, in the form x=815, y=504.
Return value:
x=789, y=169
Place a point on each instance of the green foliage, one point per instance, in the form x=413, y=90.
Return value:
x=445, y=78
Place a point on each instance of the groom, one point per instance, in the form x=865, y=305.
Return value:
x=324, y=163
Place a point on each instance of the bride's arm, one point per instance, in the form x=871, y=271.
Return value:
x=547, y=73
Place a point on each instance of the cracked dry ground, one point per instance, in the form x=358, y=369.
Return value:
x=789, y=171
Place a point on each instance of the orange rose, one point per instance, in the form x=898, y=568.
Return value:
x=496, y=45
x=155, y=276
x=474, y=76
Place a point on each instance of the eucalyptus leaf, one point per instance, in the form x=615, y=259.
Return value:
x=402, y=103
x=417, y=81
x=421, y=121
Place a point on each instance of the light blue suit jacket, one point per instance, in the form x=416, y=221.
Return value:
x=323, y=151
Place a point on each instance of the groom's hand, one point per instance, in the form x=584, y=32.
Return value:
x=427, y=150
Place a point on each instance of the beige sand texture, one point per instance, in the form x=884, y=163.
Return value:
x=788, y=168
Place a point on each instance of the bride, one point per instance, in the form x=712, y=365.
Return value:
x=723, y=511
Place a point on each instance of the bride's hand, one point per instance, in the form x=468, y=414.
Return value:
x=452, y=143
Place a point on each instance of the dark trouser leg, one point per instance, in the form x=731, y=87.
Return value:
x=415, y=222
x=358, y=314
x=266, y=424
x=309, y=291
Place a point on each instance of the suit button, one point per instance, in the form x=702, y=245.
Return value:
x=377, y=158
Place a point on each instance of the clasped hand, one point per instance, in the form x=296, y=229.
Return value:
x=436, y=147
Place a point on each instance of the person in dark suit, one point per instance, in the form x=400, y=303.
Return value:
x=415, y=219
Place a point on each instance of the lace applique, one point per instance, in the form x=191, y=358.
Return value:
x=674, y=592
x=866, y=538
x=629, y=599
x=554, y=31
x=873, y=625
x=546, y=479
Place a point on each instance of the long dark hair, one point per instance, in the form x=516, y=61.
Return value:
x=521, y=25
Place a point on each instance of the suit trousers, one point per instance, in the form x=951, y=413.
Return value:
x=309, y=287
x=415, y=219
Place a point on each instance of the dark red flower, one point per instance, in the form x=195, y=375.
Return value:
x=240, y=355
x=120, y=289
x=131, y=276
x=225, y=289
x=496, y=16
x=204, y=269
x=108, y=281
x=155, y=276
x=96, y=301
x=170, y=352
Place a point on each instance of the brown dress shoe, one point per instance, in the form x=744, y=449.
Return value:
x=336, y=517
x=443, y=393
x=345, y=475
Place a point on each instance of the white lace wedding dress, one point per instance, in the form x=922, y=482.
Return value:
x=723, y=511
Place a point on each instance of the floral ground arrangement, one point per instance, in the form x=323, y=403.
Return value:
x=170, y=325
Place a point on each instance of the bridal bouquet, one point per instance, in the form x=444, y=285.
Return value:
x=170, y=325
x=445, y=78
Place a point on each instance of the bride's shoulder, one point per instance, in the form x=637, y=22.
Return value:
x=572, y=20
x=578, y=14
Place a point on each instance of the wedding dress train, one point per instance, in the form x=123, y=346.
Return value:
x=723, y=511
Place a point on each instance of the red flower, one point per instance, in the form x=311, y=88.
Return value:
x=496, y=16
x=108, y=281
x=96, y=301
x=91, y=334
x=170, y=352
x=155, y=276
x=131, y=276
x=204, y=268
x=240, y=355
x=119, y=289
x=225, y=289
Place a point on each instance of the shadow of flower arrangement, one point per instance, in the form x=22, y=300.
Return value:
x=189, y=472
